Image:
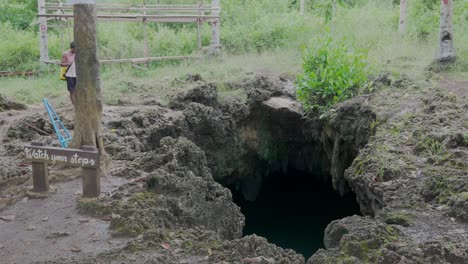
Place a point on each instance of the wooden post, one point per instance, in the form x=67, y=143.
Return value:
x=145, y=34
x=62, y=38
x=302, y=7
x=91, y=181
x=215, y=25
x=44, y=49
x=40, y=174
x=402, y=23
x=199, y=44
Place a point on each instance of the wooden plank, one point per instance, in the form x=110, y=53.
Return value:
x=137, y=9
x=141, y=18
x=133, y=16
x=25, y=73
x=135, y=60
x=146, y=60
x=73, y=157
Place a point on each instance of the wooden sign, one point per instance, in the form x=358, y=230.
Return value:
x=87, y=157
x=74, y=157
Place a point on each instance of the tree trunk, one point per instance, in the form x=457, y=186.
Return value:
x=88, y=104
x=402, y=24
x=302, y=7
x=446, y=52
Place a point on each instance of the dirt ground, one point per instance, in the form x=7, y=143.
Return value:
x=50, y=229
x=459, y=88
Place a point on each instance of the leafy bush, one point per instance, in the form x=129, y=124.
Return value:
x=18, y=49
x=423, y=18
x=331, y=74
x=19, y=13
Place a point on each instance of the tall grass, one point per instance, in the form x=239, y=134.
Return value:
x=260, y=35
x=256, y=26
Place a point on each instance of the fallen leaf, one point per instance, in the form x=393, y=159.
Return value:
x=141, y=179
x=58, y=234
x=166, y=245
x=7, y=218
x=75, y=249
x=106, y=218
x=45, y=219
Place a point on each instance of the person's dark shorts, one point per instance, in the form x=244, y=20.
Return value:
x=71, y=83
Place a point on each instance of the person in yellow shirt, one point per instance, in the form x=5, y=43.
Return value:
x=68, y=70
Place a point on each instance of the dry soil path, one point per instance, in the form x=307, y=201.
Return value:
x=50, y=229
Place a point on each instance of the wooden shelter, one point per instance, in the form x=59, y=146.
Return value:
x=142, y=13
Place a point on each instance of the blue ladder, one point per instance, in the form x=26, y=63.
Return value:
x=62, y=133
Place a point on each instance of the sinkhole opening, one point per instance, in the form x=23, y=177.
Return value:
x=293, y=209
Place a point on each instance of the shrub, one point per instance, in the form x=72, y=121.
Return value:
x=19, y=13
x=331, y=74
x=18, y=49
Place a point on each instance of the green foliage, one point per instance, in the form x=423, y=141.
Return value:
x=325, y=8
x=17, y=48
x=19, y=13
x=331, y=74
x=430, y=146
x=423, y=18
x=260, y=26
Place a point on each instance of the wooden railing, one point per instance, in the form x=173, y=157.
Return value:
x=194, y=13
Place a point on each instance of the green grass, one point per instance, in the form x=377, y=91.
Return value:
x=268, y=36
x=31, y=90
x=122, y=82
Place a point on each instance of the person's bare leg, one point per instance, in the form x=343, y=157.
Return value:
x=72, y=98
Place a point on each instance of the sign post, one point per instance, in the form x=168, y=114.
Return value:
x=87, y=157
x=91, y=182
x=40, y=173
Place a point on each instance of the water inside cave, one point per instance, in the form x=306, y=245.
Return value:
x=293, y=209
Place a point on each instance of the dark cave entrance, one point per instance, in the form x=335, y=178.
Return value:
x=293, y=209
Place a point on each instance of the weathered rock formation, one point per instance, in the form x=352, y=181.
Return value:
x=6, y=104
x=402, y=150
